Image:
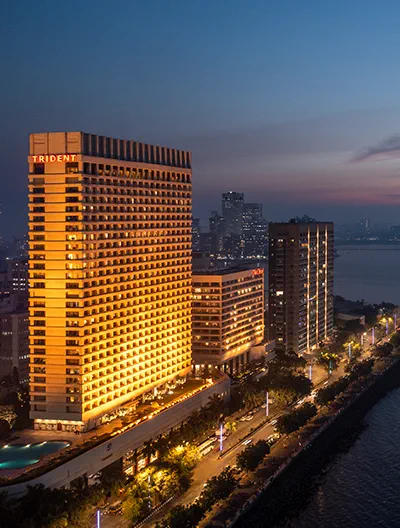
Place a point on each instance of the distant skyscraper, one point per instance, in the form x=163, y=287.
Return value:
x=14, y=318
x=232, y=212
x=300, y=284
x=255, y=231
x=196, y=234
x=365, y=224
x=216, y=227
x=110, y=274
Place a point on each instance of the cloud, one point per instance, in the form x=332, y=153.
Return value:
x=388, y=148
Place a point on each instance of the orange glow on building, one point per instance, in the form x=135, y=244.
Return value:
x=227, y=316
x=110, y=274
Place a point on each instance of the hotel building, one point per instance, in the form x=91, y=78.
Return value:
x=110, y=274
x=227, y=317
x=300, y=284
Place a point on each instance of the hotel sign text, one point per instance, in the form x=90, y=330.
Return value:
x=53, y=158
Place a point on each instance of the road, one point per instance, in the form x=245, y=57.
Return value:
x=214, y=463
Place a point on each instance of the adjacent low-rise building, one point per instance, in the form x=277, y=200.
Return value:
x=227, y=317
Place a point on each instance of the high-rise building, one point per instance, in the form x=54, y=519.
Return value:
x=216, y=227
x=19, y=282
x=227, y=317
x=14, y=327
x=14, y=343
x=365, y=225
x=196, y=234
x=232, y=212
x=110, y=274
x=300, y=284
x=255, y=231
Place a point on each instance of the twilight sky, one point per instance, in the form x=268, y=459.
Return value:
x=295, y=103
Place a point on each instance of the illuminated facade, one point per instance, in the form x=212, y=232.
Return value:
x=110, y=274
x=227, y=316
x=300, y=284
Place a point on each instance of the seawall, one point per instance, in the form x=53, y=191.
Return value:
x=282, y=491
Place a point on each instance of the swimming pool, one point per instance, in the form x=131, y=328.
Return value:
x=19, y=456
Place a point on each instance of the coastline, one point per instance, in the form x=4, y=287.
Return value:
x=277, y=499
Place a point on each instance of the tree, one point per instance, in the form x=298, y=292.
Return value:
x=289, y=361
x=184, y=516
x=253, y=455
x=285, y=385
x=7, y=382
x=7, y=413
x=184, y=458
x=328, y=360
x=5, y=429
x=327, y=394
x=165, y=483
x=354, y=326
x=217, y=488
x=289, y=422
x=283, y=396
x=161, y=445
x=136, y=500
x=361, y=369
x=251, y=396
x=384, y=350
x=230, y=427
x=395, y=340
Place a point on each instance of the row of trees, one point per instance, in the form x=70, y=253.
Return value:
x=284, y=380
x=215, y=489
x=253, y=455
x=51, y=508
x=292, y=421
x=171, y=474
x=356, y=371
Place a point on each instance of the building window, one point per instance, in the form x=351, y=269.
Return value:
x=38, y=168
x=71, y=168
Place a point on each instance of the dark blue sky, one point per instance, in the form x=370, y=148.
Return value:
x=275, y=98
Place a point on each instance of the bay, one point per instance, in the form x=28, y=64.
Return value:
x=369, y=272
x=361, y=488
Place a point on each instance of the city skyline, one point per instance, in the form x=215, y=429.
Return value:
x=199, y=255
x=311, y=129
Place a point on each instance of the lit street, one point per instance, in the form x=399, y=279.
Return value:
x=213, y=464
